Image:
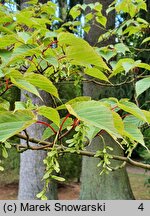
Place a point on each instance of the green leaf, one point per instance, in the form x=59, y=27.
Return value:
x=121, y=48
x=23, y=51
x=5, y=56
x=51, y=60
x=147, y=115
x=42, y=82
x=132, y=30
x=118, y=123
x=50, y=34
x=7, y=40
x=50, y=113
x=130, y=119
x=131, y=131
x=101, y=19
x=94, y=113
x=91, y=133
x=140, y=20
x=4, y=104
x=130, y=7
x=128, y=65
x=146, y=40
x=23, y=84
x=24, y=36
x=79, y=52
x=105, y=36
x=142, y=85
x=107, y=53
x=1, y=73
x=74, y=100
x=125, y=64
x=131, y=108
x=94, y=72
x=20, y=105
x=12, y=123
x=142, y=65
x=75, y=11
x=48, y=132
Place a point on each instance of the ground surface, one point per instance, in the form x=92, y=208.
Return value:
x=70, y=191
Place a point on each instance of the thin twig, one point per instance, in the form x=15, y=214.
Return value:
x=109, y=85
x=27, y=140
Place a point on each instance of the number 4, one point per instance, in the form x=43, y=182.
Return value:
x=141, y=207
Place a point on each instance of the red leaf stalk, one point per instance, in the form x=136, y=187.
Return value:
x=67, y=116
x=48, y=125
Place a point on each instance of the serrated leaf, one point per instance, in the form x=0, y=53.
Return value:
x=79, y=52
x=142, y=85
x=50, y=113
x=42, y=82
x=12, y=123
x=94, y=72
x=94, y=113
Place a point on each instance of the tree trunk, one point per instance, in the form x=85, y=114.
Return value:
x=31, y=166
x=31, y=162
x=114, y=185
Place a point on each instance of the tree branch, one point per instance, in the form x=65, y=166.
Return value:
x=64, y=149
x=33, y=140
